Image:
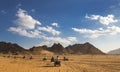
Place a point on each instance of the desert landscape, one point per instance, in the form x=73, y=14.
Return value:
x=76, y=63
x=59, y=35
x=74, y=58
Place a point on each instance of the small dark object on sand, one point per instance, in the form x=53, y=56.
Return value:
x=8, y=56
x=65, y=59
x=31, y=57
x=44, y=59
x=52, y=59
x=57, y=63
x=23, y=57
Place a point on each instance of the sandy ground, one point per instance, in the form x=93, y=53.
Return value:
x=76, y=63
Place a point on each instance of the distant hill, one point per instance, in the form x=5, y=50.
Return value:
x=40, y=50
x=85, y=48
x=116, y=51
x=6, y=48
x=56, y=48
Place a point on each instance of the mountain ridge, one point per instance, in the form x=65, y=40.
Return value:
x=56, y=48
x=115, y=51
x=7, y=47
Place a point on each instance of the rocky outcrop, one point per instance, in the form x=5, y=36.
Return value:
x=85, y=48
x=6, y=48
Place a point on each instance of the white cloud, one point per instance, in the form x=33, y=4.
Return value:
x=113, y=30
x=26, y=21
x=106, y=20
x=63, y=41
x=48, y=43
x=50, y=30
x=23, y=32
x=55, y=24
x=72, y=38
x=26, y=27
x=92, y=17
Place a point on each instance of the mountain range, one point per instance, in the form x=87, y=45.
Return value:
x=6, y=48
x=56, y=48
x=116, y=51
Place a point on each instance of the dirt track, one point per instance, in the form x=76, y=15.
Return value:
x=84, y=63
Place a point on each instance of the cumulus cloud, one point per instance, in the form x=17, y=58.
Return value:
x=55, y=24
x=48, y=43
x=72, y=38
x=50, y=30
x=29, y=27
x=64, y=41
x=113, y=30
x=106, y=20
x=23, y=32
x=26, y=25
x=26, y=21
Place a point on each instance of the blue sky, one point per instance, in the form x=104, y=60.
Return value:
x=38, y=22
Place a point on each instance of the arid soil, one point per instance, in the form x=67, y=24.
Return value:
x=76, y=63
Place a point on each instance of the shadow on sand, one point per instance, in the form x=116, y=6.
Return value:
x=48, y=66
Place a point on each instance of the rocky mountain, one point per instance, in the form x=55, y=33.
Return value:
x=116, y=51
x=85, y=48
x=56, y=48
x=10, y=48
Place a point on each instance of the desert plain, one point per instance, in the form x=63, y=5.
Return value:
x=76, y=63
